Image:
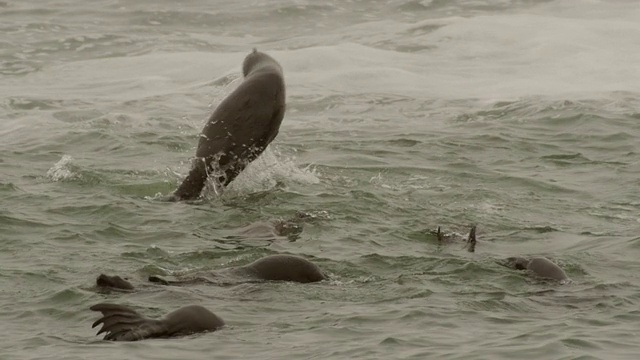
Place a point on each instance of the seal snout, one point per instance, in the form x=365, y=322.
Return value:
x=517, y=263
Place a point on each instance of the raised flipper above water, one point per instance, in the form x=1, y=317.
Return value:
x=439, y=236
x=471, y=240
x=121, y=323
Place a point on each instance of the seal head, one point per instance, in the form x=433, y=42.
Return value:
x=113, y=282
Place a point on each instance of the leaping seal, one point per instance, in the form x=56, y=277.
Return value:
x=240, y=128
x=121, y=323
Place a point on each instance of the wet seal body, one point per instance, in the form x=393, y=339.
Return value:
x=121, y=323
x=240, y=128
x=539, y=266
x=283, y=268
x=269, y=268
x=280, y=267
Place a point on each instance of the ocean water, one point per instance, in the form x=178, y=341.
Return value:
x=522, y=117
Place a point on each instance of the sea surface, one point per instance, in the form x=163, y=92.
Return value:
x=519, y=116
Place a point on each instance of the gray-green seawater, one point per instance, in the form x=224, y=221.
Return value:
x=522, y=117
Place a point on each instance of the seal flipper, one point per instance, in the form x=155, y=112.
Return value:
x=439, y=236
x=471, y=240
x=121, y=323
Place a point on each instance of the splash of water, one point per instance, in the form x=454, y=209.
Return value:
x=62, y=170
x=266, y=172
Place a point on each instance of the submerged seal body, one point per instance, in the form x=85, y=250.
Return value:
x=283, y=268
x=121, y=323
x=278, y=267
x=539, y=266
x=240, y=128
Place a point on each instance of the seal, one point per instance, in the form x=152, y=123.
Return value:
x=538, y=266
x=121, y=323
x=283, y=268
x=113, y=282
x=279, y=267
x=240, y=128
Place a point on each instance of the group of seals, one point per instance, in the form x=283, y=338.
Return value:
x=278, y=267
x=121, y=323
x=238, y=131
x=240, y=128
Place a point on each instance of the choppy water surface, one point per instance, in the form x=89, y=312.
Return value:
x=520, y=116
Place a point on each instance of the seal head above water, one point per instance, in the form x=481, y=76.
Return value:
x=240, y=128
x=121, y=323
x=113, y=282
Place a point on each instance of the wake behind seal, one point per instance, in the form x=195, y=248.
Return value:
x=240, y=128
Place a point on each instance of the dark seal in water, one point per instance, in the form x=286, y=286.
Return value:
x=121, y=323
x=240, y=128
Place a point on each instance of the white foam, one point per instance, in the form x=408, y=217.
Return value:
x=264, y=173
x=62, y=170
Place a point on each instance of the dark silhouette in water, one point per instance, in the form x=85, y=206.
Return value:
x=538, y=266
x=273, y=267
x=121, y=323
x=114, y=282
x=471, y=239
x=240, y=128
